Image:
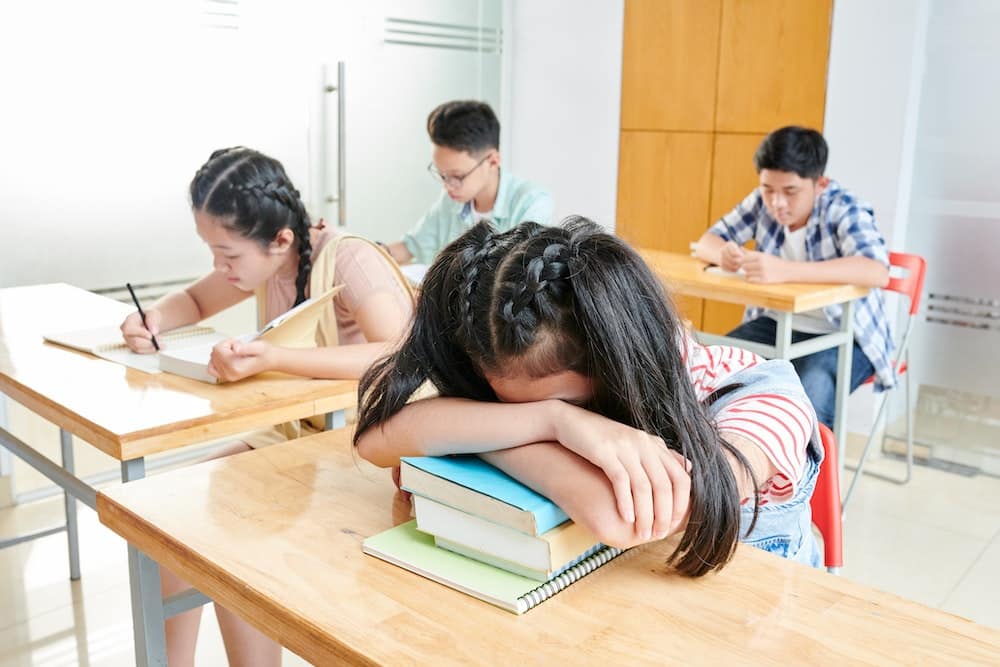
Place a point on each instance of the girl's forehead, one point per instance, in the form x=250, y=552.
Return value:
x=215, y=233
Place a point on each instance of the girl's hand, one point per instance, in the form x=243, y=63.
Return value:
x=139, y=338
x=731, y=257
x=651, y=483
x=234, y=359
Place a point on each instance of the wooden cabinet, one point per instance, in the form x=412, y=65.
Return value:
x=653, y=168
x=772, y=64
x=703, y=81
x=669, y=64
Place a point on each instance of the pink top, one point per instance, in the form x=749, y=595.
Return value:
x=779, y=425
x=360, y=268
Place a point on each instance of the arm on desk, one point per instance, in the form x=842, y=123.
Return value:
x=765, y=268
x=583, y=491
x=648, y=480
x=381, y=322
x=580, y=488
x=715, y=250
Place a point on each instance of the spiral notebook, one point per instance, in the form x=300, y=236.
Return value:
x=106, y=342
x=413, y=550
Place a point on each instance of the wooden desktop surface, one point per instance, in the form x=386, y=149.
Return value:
x=275, y=534
x=686, y=275
x=122, y=411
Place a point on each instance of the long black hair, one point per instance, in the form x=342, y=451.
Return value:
x=253, y=196
x=571, y=297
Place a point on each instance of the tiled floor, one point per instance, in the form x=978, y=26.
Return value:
x=936, y=540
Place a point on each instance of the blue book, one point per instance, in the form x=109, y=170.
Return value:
x=470, y=484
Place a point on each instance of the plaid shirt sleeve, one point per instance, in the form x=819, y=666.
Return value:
x=857, y=234
x=740, y=224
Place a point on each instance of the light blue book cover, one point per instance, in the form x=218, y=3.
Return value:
x=474, y=473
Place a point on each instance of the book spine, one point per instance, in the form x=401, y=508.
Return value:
x=539, y=595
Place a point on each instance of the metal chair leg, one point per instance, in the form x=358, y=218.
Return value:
x=859, y=470
x=864, y=455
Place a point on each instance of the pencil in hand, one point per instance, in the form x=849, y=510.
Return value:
x=142, y=315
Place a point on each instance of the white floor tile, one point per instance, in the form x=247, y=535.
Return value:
x=977, y=595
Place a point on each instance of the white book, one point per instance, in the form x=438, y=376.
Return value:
x=293, y=328
x=719, y=271
x=106, y=342
x=539, y=557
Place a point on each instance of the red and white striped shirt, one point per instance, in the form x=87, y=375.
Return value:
x=780, y=425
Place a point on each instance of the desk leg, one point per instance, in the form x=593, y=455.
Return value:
x=843, y=387
x=144, y=583
x=72, y=534
x=783, y=336
x=336, y=419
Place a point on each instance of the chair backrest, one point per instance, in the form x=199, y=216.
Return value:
x=825, y=503
x=912, y=284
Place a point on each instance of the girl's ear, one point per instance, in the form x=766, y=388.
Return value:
x=283, y=241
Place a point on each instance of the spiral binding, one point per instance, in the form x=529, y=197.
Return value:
x=178, y=334
x=539, y=595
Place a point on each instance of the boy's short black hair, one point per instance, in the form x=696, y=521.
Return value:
x=796, y=149
x=464, y=125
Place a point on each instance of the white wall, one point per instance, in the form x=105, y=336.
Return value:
x=877, y=53
x=955, y=221
x=563, y=93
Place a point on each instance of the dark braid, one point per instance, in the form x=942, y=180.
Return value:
x=471, y=260
x=253, y=196
x=531, y=298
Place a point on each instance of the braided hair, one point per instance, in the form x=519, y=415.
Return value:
x=540, y=300
x=253, y=196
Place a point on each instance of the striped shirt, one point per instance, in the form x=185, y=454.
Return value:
x=780, y=425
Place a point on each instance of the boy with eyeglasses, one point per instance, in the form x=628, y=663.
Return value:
x=466, y=160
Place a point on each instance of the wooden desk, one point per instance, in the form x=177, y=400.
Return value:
x=124, y=412
x=686, y=275
x=275, y=535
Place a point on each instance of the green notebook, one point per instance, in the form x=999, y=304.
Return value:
x=413, y=550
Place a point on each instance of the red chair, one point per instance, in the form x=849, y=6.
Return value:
x=825, y=504
x=911, y=285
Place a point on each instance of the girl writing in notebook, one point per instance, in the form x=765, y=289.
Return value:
x=559, y=359
x=251, y=217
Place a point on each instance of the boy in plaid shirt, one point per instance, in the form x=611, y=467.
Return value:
x=807, y=228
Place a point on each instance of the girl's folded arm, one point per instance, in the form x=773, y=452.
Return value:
x=440, y=426
x=580, y=488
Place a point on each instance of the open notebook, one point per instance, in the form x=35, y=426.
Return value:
x=293, y=328
x=414, y=550
x=186, y=351
x=106, y=342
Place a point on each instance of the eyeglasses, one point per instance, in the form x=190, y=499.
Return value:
x=453, y=182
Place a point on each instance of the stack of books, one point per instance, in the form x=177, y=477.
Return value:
x=482, y=532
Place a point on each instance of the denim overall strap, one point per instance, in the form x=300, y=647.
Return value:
x=782, y=528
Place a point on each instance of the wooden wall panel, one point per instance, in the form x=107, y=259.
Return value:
x=663, y=194
x=663, y=188
x=733, y=178
x=733, y=173
x=669, y=64
x=772, y=64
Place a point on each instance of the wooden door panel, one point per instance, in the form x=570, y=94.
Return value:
x=772, y=64
x=669, y=64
